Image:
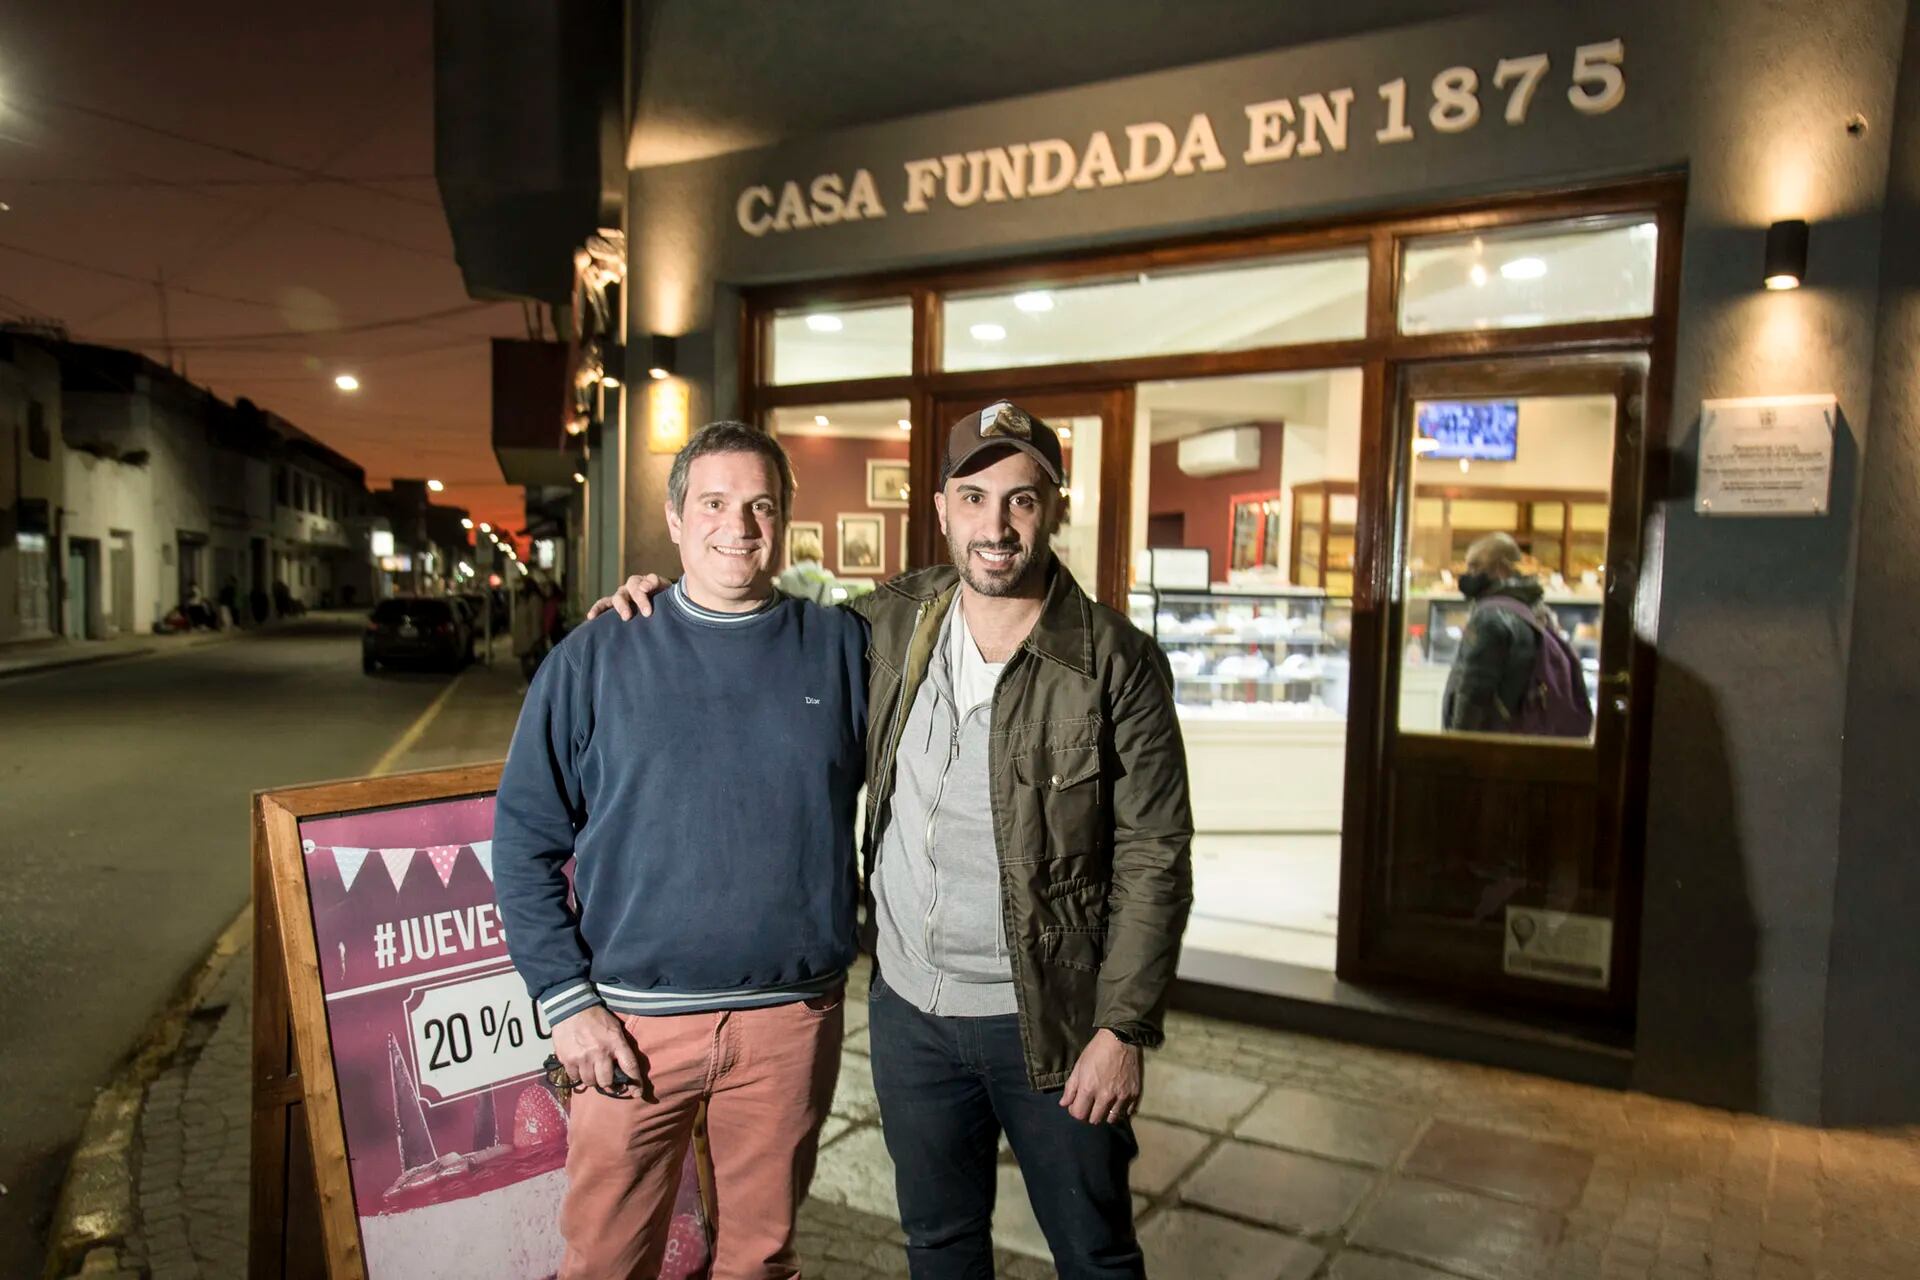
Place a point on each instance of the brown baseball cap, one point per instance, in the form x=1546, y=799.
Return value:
x=1003, y=425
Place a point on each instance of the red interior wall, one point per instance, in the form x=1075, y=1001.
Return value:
x=1204, y=499
x=830, y=474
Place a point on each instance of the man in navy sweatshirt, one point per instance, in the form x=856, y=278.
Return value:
x=702, y=776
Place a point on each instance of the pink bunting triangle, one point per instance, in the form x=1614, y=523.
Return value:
x=397, y=860
x=442, y=857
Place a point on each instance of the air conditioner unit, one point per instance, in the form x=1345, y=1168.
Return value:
x=1221, y=452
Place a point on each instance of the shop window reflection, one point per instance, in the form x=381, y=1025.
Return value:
x=1244, y=493
x=847, y=529
x=1505, y=551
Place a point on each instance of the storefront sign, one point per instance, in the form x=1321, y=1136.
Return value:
x=1766, y=456
x=1557, y=946
x=1279, y=130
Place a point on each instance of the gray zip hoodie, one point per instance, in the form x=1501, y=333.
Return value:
x=936, y=884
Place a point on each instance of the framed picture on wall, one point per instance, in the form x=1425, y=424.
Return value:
x=887, y=482
x=863, y=543
x=806, y=540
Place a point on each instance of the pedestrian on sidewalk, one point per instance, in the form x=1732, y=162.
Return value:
x=1029, y=864
x=701, y=772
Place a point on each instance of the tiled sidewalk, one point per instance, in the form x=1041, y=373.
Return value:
x=1269, y=1155
x=1283, y=1157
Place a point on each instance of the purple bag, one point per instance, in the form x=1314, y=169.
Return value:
x=1556, y=703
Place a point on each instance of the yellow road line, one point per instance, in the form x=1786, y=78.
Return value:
x=414, y=731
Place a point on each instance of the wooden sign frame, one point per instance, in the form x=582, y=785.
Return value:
x=302, y=1217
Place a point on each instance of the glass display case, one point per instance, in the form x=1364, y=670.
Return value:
x=1279, y=655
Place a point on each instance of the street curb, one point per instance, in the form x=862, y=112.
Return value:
x=95, y=1213
x=78, y=660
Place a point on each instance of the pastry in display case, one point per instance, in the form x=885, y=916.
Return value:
x=1274, y=655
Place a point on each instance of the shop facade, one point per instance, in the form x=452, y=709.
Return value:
x=1315, y=322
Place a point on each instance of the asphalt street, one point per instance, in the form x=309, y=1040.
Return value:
x=124, y=851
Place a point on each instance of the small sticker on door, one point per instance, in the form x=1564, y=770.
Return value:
x=1558, y=946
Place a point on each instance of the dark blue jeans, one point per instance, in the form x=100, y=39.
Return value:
x=947, y=1088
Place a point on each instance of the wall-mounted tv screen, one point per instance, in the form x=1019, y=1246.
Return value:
x=1480, y=430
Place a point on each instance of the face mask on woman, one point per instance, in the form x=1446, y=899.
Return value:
x=1475, y=584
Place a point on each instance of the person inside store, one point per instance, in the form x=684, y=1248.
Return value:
x=707, y=957
x=1022, y=965
x=1515, y=671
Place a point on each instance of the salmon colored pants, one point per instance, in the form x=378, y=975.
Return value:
x=767, y=1077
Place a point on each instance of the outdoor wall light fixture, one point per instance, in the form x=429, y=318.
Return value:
x=1786, y=254
x=660, y=365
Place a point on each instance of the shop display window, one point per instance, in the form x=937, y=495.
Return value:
x=1277, y=655
x=839, y=343
x=1551, y=499
x=1554, y=273
x=847, y=529
x=1235, y=308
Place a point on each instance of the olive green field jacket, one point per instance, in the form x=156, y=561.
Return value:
x=1091, y=818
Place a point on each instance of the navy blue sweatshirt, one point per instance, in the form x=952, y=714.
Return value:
x=701, y=769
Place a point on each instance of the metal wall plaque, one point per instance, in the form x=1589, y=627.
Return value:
x=1766, y=456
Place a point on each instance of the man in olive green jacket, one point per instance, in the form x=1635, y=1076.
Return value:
x=1028, y=867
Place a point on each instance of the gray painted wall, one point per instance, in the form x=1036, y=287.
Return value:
x=1752, y=618
x=1873, y=999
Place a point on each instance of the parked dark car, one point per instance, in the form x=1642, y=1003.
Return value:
x=416, y=630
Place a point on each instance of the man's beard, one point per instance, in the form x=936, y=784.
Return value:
x=1019, y=569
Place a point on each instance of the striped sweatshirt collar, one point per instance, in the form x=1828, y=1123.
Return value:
x=713, y=617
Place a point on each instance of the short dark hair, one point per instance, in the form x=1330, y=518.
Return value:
x=730, y=437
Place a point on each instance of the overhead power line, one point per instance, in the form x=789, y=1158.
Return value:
x=421, y=320
x=137, y=180
x=313, y=175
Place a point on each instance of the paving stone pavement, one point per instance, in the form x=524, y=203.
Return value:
x=1265, y=1155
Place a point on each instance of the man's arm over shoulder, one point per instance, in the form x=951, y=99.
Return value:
x=536, y=815
x=1152, y=886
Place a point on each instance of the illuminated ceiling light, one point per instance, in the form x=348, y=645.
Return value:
x=1065, y=433
x=988, y=332
x=821, y=323
x=1465, y=466
x=485, y=527
x=576, y=424
x=1424, y=445
x=579, y=478
x=434, y=486
x=1786, y=262
x=1034, y=301
x=522, y=567
x=608, y=380
x=657, y=373
x=1523, y=269
x=466, y=523
x=906, y=424
x=1477, y=274
x=5, y=207
x=819, y=419
x=346, y=382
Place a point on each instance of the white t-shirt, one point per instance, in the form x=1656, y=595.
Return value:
x=973, y=676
